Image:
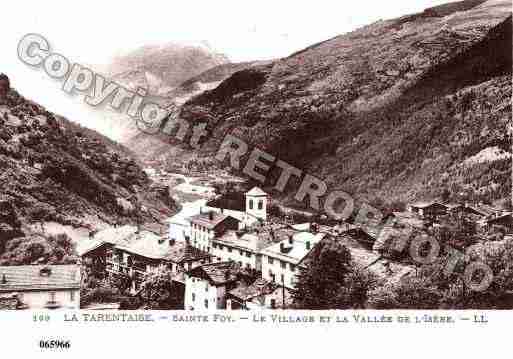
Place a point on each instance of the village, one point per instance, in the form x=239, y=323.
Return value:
x=237, y=257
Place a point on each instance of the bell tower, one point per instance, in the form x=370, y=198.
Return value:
x=256, y=203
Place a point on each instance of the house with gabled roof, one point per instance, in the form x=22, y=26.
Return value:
x=128, y=251
x=207, y=226
x=504, y=221
x=41, y=286
x=259, y=295
x=431, y=209
x=248, y=210
x=280, y=261
x=483, y=210
x=241, y=247
x=206, y=286
x=404, y=219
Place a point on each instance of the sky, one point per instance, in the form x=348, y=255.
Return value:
x=92, y=32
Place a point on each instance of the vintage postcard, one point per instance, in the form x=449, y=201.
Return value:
x=201, y=175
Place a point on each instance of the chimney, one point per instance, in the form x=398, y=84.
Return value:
x=172, y=242
x=308, y=245
x=282, y=247
x=314, y=227
x=291, y=240
x=4, y=279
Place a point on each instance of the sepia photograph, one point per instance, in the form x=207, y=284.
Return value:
x=247, y=158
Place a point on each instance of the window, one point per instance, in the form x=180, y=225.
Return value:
x=206, y=303
x=72, y=296
x=270, y=260
x=248, y=254
x=206, y=288
x=229, y=250
x=248, y=266
x=193, y=297
x=292, y=267
x=260, y=204
x=241, y=252
x=273, y=303
x=52, y=296
x=283, y=264
x=250, y=204
x=240, y=264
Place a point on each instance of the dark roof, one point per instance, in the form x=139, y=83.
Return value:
x=216, y=273
x=209, y=220
x=428, y=204
x=8, y=302
x=365, y=235
x=234, y=202
x=504, y=217
x=246, y=241
x=484, y=209
x=39, y=277
x=407, y=218
x=258, y=288
x=182, y=252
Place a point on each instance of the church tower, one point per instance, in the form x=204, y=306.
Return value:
x=256, y=203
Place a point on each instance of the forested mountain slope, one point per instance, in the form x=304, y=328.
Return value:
x=401, y=109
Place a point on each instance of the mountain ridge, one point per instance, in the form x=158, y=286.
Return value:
x=324, y=105
x=56, y=171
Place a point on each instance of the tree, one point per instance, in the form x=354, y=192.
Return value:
x=456, y=231
x=413, y=293
x=37, y=249
x=4, y=87
x=93, y=290
x=331, y=280
x=433, y=287
x=161, y=292
x=446, y=195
